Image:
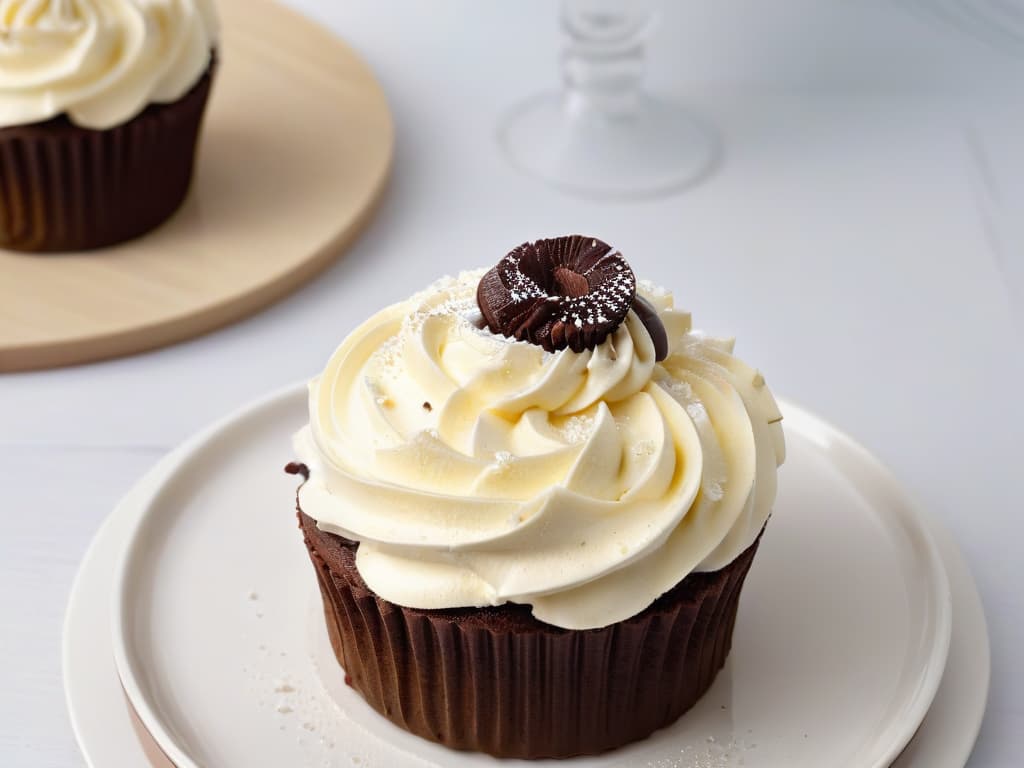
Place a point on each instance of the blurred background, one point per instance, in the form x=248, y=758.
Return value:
x=861, y=234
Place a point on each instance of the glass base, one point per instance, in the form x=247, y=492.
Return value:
x=656, y=149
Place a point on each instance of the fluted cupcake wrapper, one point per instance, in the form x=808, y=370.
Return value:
x=67, y=188
x=528, y=692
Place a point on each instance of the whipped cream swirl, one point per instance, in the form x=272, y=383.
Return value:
x=475, y=470
x=99, y=61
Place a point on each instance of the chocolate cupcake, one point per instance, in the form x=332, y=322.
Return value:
x=532, y=497
x=101, y=105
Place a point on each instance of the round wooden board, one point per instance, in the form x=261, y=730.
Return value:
x=295, y=153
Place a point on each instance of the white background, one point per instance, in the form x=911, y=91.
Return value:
x=864, y=240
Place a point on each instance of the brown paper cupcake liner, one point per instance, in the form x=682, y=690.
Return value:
x=497, y=680
x=67, y=188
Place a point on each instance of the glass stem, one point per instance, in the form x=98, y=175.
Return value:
x=604, y=58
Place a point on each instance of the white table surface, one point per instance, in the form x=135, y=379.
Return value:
x=864, y=240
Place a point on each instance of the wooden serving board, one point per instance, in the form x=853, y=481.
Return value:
x=295, y=153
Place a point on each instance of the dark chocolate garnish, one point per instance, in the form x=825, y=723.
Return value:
x=561, y=292
x=652, y=322
x=297, y=468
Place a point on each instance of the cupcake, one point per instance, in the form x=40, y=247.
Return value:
x=531, y=498
x=101, y=103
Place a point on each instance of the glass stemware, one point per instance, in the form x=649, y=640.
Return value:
x=603, y=135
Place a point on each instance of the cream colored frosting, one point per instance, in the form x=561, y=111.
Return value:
x=99, y=61
x=476, y=470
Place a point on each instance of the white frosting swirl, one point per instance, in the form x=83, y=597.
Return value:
x=99, y=61
x=476, y=470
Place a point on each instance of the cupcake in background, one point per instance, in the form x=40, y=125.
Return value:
x=101, y=103
x=532, y=497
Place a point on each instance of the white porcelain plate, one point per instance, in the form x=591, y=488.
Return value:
x=841, y=642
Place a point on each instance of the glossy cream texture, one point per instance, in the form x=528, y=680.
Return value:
x=99, y=61
x=476, y=470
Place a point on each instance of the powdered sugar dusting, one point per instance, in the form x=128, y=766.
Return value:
x=697, y=411
x=680, y=390
x=453, y=298
x=577, y=429
x=612, y=297
x=644, y=448
x=712, y=753
x=712, y=490
x=653, y=290
x=611, y=284
x=503, y=458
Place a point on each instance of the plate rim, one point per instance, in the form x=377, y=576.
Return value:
x=112, y=525
x=913, y=518
x=89, y=613
x=914, y=514
x=123, y=660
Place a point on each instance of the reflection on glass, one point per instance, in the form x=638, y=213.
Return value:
x=604, y=135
